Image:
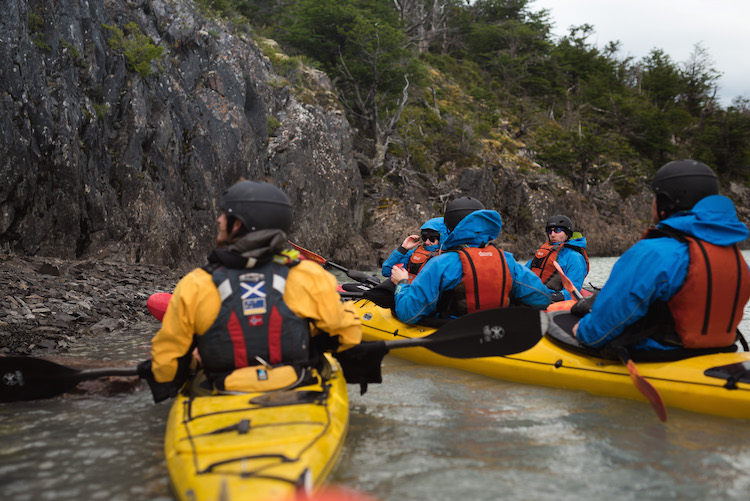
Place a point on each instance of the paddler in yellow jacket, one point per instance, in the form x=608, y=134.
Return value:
x=258, y=315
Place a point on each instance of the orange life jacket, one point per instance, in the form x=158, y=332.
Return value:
x=418, y=259
x=486, y=281
x=708, y=307
x=542, y=263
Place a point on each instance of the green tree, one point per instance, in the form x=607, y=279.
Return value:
x=362, y=44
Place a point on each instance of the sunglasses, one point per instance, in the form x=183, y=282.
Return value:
x=433, y=238
x=554, y=230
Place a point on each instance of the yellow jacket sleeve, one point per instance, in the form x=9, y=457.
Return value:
x=310, y=293
x=192, y=310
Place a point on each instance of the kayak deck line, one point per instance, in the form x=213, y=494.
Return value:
x=625, y=374
x=257, y=407
x=282, y=457
x=262, y=445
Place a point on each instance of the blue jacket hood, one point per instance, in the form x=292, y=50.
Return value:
x=477, y=228
x=437, y=224
x=713, y=219
x=577, y=242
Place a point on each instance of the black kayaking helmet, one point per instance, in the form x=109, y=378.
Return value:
x=458, y=209
x=560, y=221
x=259, y=206
x=679, y=185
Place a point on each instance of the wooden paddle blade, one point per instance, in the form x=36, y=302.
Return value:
x=317, y=258
x=308, y=254
x=26, y=378
x=567, y=283
x=562, y=305
x=488, y=333
x=648, y=391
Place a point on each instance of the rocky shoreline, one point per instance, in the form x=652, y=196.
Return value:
x=49, y=304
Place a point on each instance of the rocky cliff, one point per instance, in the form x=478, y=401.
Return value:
x=122, y=121
x=100, y=157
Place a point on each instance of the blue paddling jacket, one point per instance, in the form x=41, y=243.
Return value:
x=402, y=256
x=655, y=269
x=444, y=272
x=572, y=262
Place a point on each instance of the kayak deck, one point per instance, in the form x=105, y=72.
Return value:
x=256, y=445
x=681, y=383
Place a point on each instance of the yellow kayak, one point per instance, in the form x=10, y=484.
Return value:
x=257, y=446
x=716, y=383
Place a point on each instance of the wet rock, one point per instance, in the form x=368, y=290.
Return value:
x=48, y=305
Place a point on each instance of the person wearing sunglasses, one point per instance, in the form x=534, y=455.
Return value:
x=416, y=250
x=566, y=247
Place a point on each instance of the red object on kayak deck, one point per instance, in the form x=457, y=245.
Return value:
x=157, y=304
x=562, y=305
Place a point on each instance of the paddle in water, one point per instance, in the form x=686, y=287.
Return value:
x=486, y=333
x=28, y=378
x=647, y=389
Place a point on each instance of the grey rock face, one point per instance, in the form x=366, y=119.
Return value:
x=98, y=161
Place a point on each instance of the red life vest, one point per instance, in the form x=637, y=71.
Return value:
x=708, y=307
x=417, y=260
x=486, y=278
x=542, y=263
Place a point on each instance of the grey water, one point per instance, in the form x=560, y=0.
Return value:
x=425, y=433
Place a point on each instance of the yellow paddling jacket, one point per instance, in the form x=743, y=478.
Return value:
x=309, y=292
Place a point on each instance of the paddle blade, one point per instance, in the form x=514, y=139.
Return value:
x=566, y=282
x=488, y=333
x=157, y=304
x=648, y=391
x=308, y=254
x=26, y=378
x=562, y=305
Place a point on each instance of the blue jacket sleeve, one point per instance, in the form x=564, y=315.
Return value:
x=651, y=270
x=527, y=288
x=395, y=258
x=419, y=299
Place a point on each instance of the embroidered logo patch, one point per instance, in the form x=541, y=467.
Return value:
x=251, y=277
x=255, y=320
x=253, y=298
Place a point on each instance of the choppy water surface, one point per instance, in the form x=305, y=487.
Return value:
x=425, y=433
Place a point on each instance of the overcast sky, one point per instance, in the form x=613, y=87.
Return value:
x=723, y=27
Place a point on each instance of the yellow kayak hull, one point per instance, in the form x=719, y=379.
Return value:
x=256, y=446
x=681, y=383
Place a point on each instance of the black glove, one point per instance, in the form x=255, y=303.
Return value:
x=557, y=296
x=555, y=282
x=160, y=391
x=361, y=363
x=382, y=294
x=583, y=306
